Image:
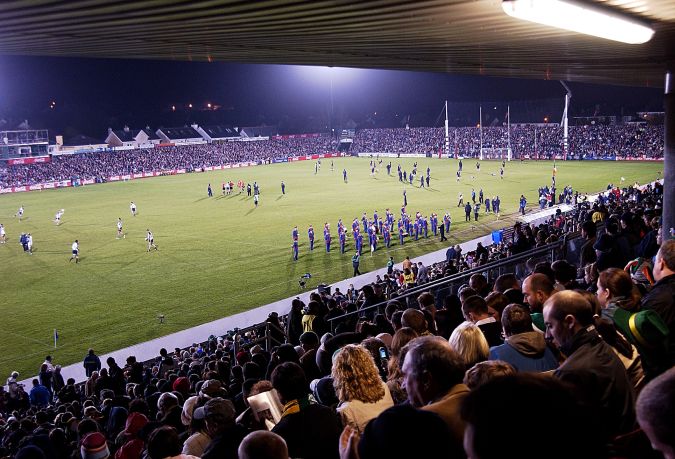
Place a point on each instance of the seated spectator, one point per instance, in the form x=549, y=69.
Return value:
x=517, y=397
x=537, y=288
x=309, y=429
x=95, y=446
x=476, y=311
x=401, y=432
x=219, y=415
x=362, y=393
x=483, y=372
x=661, y=298
x=592, y=368
x=656, y=411
x=263, y=445
x=432, y=375
x=394, y=375
x=133, y=445
x=164, y=443
x=414, y=318
x=505, y=282
x=470, y=343
x=523, y=348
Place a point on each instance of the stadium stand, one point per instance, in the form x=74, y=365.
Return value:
x=628, y=141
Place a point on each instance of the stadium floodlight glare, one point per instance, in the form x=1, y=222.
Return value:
x=579, y=17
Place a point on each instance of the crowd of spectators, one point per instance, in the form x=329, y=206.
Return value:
x=527, y=141
x=102, y=165
x=587, y=346
x=532, y=141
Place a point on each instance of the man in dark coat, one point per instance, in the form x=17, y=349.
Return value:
x=311, y=431
x=596, y=374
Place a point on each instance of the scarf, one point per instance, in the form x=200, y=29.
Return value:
x=295, y=406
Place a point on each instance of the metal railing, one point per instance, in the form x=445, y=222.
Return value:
x=442, y=287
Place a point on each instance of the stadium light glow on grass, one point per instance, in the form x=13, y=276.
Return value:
x=580, y=18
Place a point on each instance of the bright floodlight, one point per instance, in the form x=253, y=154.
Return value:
x=579, y=18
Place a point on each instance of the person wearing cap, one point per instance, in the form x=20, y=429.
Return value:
x=310, y=430
x=226, y=435
x=170, y=411
x=133, y=444
x=94, y=446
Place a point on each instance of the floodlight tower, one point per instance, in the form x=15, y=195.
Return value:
x=563, y=122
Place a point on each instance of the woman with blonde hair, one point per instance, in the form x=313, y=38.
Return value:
x=469, y=342
x=394, y=374
x=358, y=386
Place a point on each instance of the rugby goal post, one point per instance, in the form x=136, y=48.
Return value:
x=496, y=153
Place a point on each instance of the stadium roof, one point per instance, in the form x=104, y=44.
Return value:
x=454, y=36
x=220, y=132
x=176, y=133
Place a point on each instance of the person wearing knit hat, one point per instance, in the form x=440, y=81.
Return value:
x=133, y=447
x=182, y=385
x=94, y=446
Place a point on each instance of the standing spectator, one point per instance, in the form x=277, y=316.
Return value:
x=294, y=321
x=116, y=375
x=39, y=395
x=91, y=363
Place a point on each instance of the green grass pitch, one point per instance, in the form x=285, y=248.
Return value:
x=219, y=256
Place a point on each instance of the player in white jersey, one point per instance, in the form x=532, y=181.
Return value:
x=76, y=252
x=132, y=207
x=19, y=213
x=57, y=217
x=120, y=233
x=3, y=235
x=29, y=243
x=151, y=240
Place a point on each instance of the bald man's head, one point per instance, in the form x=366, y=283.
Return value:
x=263, y=444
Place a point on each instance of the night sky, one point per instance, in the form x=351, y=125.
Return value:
x=91, y=95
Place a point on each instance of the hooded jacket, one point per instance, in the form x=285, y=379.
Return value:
x=526, y=352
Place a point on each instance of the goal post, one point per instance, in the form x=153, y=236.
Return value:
x=496, y=153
